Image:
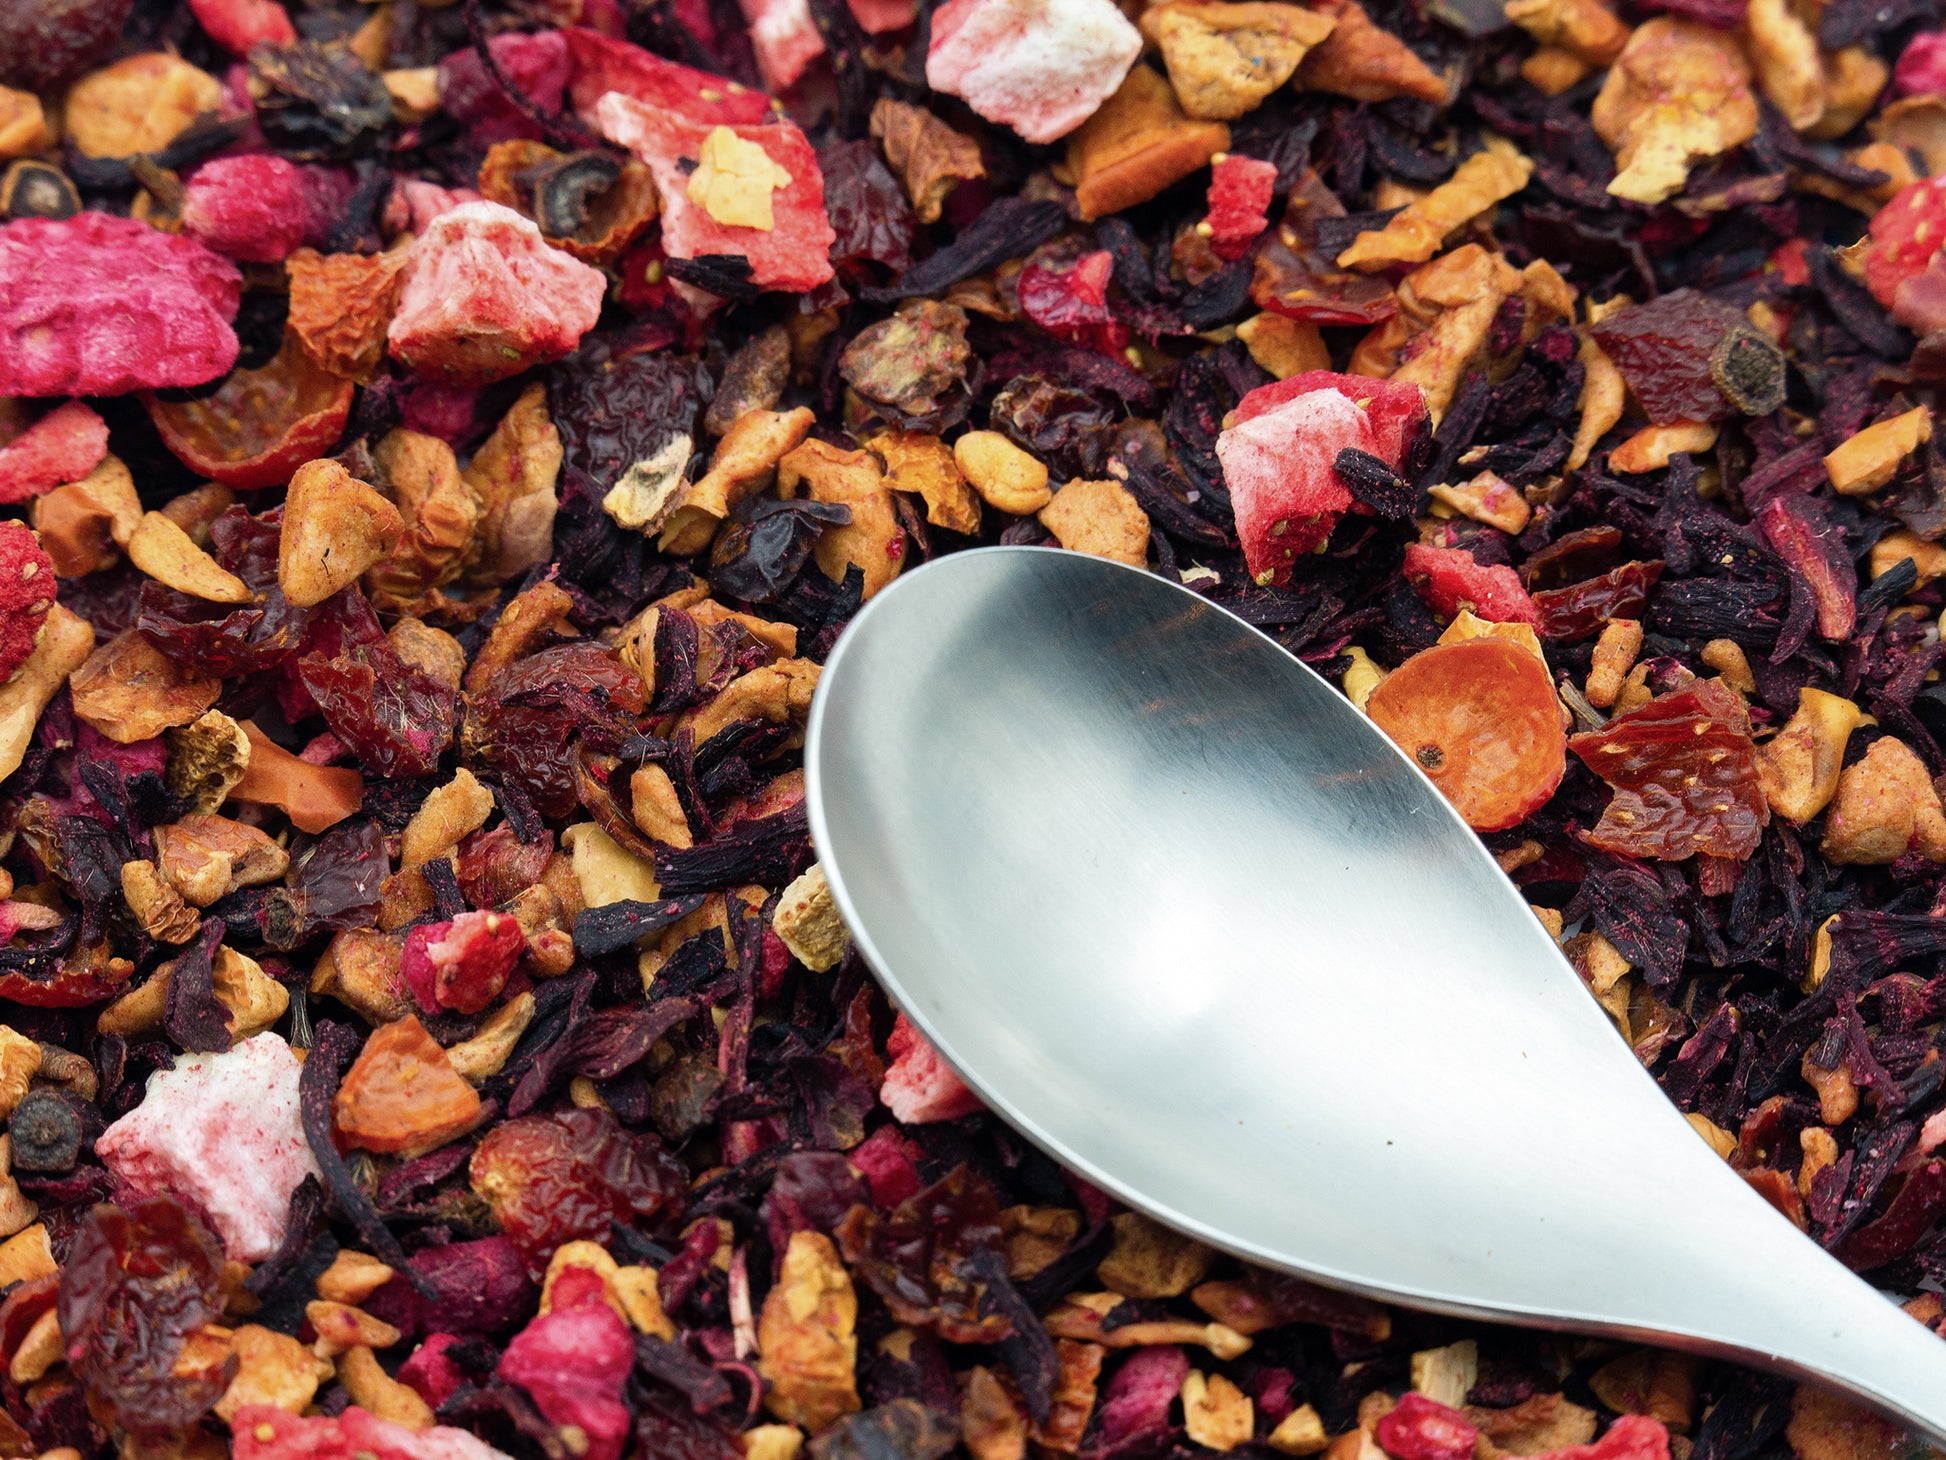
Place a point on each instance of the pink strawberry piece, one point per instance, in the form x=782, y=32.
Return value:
x=920, y=1086
x=485, y=298
x=1042, y=67
x=1451, y=579
x=791, y=254
x=880, y=17
x=265, y=1432
x=1921, y=70
x=1632, y=1437
x=1280, y=453
x=1240, y=192
x=27, y=588
x=573, y=1360
x=62, y=446
x=603, y=64
x=251, y=208
x=888, y=1162
x=784, y=37
x=100, y=305
x=462, y=964
x=431, y=1374
x=237, y=25
x=1419, y=1428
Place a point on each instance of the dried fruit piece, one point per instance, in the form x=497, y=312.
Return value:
x=1361, y=60
x=49, y=42
x=1885, y=807
x=1225, y=58
x=574, y=1360
x=873, y=538
x=170, y=556
x=1798, y=767
x=129, y=690
x=920, y=1086
x=1867, y=461
x=484, y=297
x=930, y=158
x=223, y=1130
x=1041, y=67
x=1418, y=1428
x=82, y=525
x=1585, y=29
x=806, y=1336
x=791, y=253
x=261, y=425
x=1136, y=144
x=1414, y=235
x=1240, y=194
x=62, y=648
x=249, y=207
x=401, y=1096
x=1007, y=478
x=462, y=964
x=139, y=104
x=27, y=588
x=1665, y=350
x=1452, y=581
x=315, y=797
x=334, y=528
x=1280, y=453
x=62, y=446
x=1678, y=93
x=239, y=25
x=1100, y=518
x=341, y=305
x=1685, y=777
x=1480, y=717
x=602, y=64
x=99, y=305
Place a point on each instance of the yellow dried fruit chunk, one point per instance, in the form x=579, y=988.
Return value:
x=806, y=1336
x=807, y=922
x=1650, y=448
x=1284, y=346
x=1798, y=767
x=733, y=181
x=1099, y=518
x=1586, y=29
x=1412, y=237
x=874, y=540
x=334, y=528
x=1366, y=62
x=1005, y=476
x=1885, y=807
x=130, y=690
x=1486, y=498
x=1867, y=461
x=1223, y=59
x=1784, y=54
x=1679, y=93
x=1215, y=1412
x=1137, y=144
x=272, y=1368
x=170, y=556
x=139, y=104
x=23, y=125
x=64, y=645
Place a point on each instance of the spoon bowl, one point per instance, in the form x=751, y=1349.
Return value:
x=1187, y=920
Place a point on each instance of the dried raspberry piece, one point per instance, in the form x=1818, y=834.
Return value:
x=537, y=65
x=462, y=964
x=1419, y=1428
x=1240, y=193
x=920, y=1086
x=791, y=254
x=1280, y=453
x=1042, y=67
x=26, y=592
x=1921, y=70
x=251, y=208
x=1451, y=579
x=1631, y=1437
x=434, y=1376
x=237, y=25
x=574, y=1359
x=784, y=37
x=485, y=298
x=261, y=425
x=602, y=65
x=888, y=1161
x=98, y=305
x=62, y=446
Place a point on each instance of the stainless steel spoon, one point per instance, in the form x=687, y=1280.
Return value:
x=1185, y=919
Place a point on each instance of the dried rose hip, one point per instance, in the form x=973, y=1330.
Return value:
x=1664, y=349
x=262, y=425
x=99, y=305
x=1479, y=717
x=46, y=42
x=462, y=964
x=1685, y=777
x=553, y=1178
x=1280, y=453
x=1451, y=579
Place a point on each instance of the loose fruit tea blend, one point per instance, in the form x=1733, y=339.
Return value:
x=446, y=440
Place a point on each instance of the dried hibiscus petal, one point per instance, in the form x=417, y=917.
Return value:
x=261, y=425
x=1480, y=718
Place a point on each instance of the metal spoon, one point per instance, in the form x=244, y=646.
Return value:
x=1187, y=920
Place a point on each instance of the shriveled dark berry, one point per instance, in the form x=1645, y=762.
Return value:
x=33, y=189
x=1749, y=370
x=46, y=1133
x=319, y=102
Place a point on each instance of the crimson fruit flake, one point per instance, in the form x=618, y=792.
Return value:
x=596, y=529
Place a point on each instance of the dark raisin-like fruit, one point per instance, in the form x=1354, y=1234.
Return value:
x=614, y=408
x=44, y=43
x=319, y=103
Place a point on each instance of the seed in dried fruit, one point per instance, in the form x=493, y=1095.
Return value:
x=462, y=964
x=1279, y=458
x=250, y=207
x=485, y=297
x=62, y=446
x=401, y=1095
x=1041, y=67
x=99, y=305
x=46, y=42
x=1480, y=718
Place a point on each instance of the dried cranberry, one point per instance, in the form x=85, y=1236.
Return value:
x=1069, y=299
x=462, y=964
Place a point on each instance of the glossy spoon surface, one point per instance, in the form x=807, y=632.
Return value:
x=1187, y=920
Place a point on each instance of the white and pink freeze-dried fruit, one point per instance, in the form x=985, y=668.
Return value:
x=1042, y=67
x=222, y=1130
x=485, y=297
x=919, y=1085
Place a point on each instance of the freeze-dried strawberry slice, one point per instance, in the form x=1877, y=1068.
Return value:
x=603, y=64
x=1240, y=193
x=62, y=446
x=1042, y=67
x=26, y=593
x=920, y=1086
x=99, y=305
x=793, y=252
x=1279, y=458
x=462, y=964
x=1451, y=579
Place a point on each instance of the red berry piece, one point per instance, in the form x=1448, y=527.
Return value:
x=920, y=1086
x=1451, y=579
x=46, y=42
x=1071, y=301
x=462, y=964
x=1240, y=193
x=603, y=64
x=537, y=65
x=237, y=25
x=574, y=1360
x=26, y=592
x=251, y=208
x=791, y=253
x=99, y=305
x=1903, y=266
x=62, y=446
x=1922, y=66
x=1419, y=1428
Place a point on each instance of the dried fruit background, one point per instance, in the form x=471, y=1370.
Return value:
x=441, y=443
